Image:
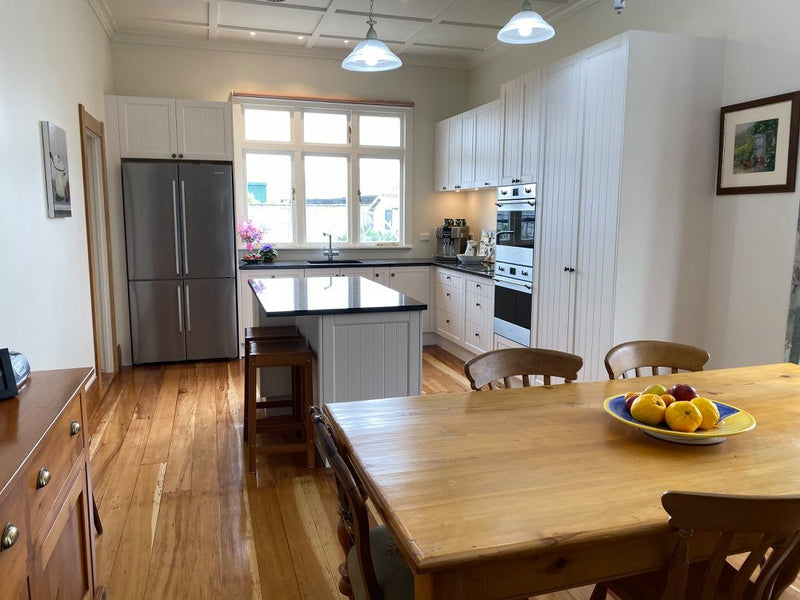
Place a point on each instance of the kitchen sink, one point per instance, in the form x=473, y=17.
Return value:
x=333, y=262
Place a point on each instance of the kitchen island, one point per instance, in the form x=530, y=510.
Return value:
x=367, y=337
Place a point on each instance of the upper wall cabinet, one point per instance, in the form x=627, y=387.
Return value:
x=170, y=129
x=467, y=152
x=521, y=101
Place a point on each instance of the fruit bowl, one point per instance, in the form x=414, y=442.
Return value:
x=471, y=260
x=732, y=421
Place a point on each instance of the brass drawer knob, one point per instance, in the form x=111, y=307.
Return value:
x=43, y=479
x=74, y=428
x=10, y=536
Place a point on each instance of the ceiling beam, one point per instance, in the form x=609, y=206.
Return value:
x=329, y=12
x=438, y=18
x=213, y=19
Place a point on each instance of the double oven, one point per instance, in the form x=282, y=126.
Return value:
x=513, y=267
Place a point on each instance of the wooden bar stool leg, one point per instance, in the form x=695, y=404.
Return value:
x=246, y=387
x=250, y=402
x=308, y=400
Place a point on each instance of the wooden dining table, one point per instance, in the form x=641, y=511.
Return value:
x=510, y=493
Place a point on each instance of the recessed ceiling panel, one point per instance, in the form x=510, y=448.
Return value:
x=355, y=26
x=457, y=36
x=291, y=3
x=496, y=12
x=415, y=9
x=256, y=16
x=274, y=39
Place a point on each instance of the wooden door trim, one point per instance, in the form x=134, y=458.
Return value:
x=97, y=127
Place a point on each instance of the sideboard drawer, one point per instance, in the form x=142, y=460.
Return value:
x=55, y=455
x=14, y=556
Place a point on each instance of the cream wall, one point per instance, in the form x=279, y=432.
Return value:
x=55, y=55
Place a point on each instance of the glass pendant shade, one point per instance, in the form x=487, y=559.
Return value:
x=526, y=27
x=371, y=55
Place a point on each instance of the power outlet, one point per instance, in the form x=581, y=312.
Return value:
x=424, y=237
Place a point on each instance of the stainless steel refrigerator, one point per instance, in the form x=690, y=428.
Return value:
x=179, y=235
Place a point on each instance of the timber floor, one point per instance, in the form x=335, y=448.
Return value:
x=183, y=520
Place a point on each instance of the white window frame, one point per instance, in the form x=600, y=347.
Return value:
x=353, y=150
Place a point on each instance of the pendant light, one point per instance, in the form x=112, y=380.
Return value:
x=526, y=27
x=371, y=55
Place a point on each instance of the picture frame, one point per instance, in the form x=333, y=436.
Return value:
x=56, y=170
x=758, y=145
x=8, y=383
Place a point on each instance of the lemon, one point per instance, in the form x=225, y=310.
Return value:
x=709, y=411
x=649, y=409
x=683, y=416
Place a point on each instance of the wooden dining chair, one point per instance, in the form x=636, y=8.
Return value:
x=374, y=568
x=504, y=364
x=772, y=523
x=651, y=354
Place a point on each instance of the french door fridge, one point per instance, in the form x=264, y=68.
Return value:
x=179, y=236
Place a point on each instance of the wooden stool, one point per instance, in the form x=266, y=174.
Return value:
x=263, y=334
x=281, y=353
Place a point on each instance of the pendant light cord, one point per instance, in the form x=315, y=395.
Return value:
x=371, y=21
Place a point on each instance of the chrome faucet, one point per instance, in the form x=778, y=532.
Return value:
x=330, y=252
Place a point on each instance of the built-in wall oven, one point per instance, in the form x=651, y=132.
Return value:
x=513, y=270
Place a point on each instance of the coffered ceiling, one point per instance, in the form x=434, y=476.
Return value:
x=457, y=33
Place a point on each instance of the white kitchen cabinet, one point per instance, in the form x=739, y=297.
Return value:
x=449, y=304
x=488, y=129
x=174, y=129
x=628, y=146
x=521, y=101
x=441, y=157
x=349, y=272
x=478, y=314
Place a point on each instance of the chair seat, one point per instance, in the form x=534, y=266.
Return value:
x=650, y=585
x=394, y=577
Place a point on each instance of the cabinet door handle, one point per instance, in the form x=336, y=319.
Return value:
x=448, y=294
x=478, y=304
x=43, y=479
x=392, y=274
x=185, y=247
x=174, y=156
x=74, y=428
x=180, y=155
x=180, y=310
x=448, y=320
x=10, y=536
x=175, y=225
x=188, y=311
x=569, y=270
x=477, y=335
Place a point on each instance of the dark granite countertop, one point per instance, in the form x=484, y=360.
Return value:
x=482, y=269
x=294, y=297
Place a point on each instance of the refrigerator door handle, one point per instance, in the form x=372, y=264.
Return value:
x=188, y=311
x=175, y=225
x=183, y=210
x=180, y=310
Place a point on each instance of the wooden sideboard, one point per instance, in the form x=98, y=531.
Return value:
x=45, y=490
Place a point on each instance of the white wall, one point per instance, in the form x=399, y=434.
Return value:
x=753, y=235
x=55, y=55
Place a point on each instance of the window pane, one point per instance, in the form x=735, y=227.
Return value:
x=324, y=128
x=267, y=125
x=379, y=131
x=269, y=195
x=379, y=183
x=326, y=198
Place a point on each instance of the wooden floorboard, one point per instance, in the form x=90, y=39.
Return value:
x=181, y=517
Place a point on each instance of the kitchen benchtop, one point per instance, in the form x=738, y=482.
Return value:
x=482, y=269
x=294, y=297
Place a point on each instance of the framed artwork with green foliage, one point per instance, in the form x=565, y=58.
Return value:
x=758, y=145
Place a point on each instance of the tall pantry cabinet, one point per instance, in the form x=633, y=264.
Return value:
x=624, y=216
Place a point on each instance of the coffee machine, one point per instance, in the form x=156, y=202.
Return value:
x=451, y=239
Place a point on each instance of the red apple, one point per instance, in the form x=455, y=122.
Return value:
x=683, y=392
x=629, y=398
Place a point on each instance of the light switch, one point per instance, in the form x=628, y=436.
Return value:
x=424, y=237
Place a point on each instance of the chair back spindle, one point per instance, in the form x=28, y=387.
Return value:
x=506, y=364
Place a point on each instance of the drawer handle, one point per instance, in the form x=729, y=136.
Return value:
x=10, y=536
x=478, y=304
x=448, y=320
x=43, y=479
x=74, y=428
x=392, y=274
x=477, y=335
x=477, y=285
x=448, y=294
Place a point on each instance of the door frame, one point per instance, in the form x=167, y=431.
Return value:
x=89, y=124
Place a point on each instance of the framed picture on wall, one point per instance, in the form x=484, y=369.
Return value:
x=758, y=146
x=56, y=170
